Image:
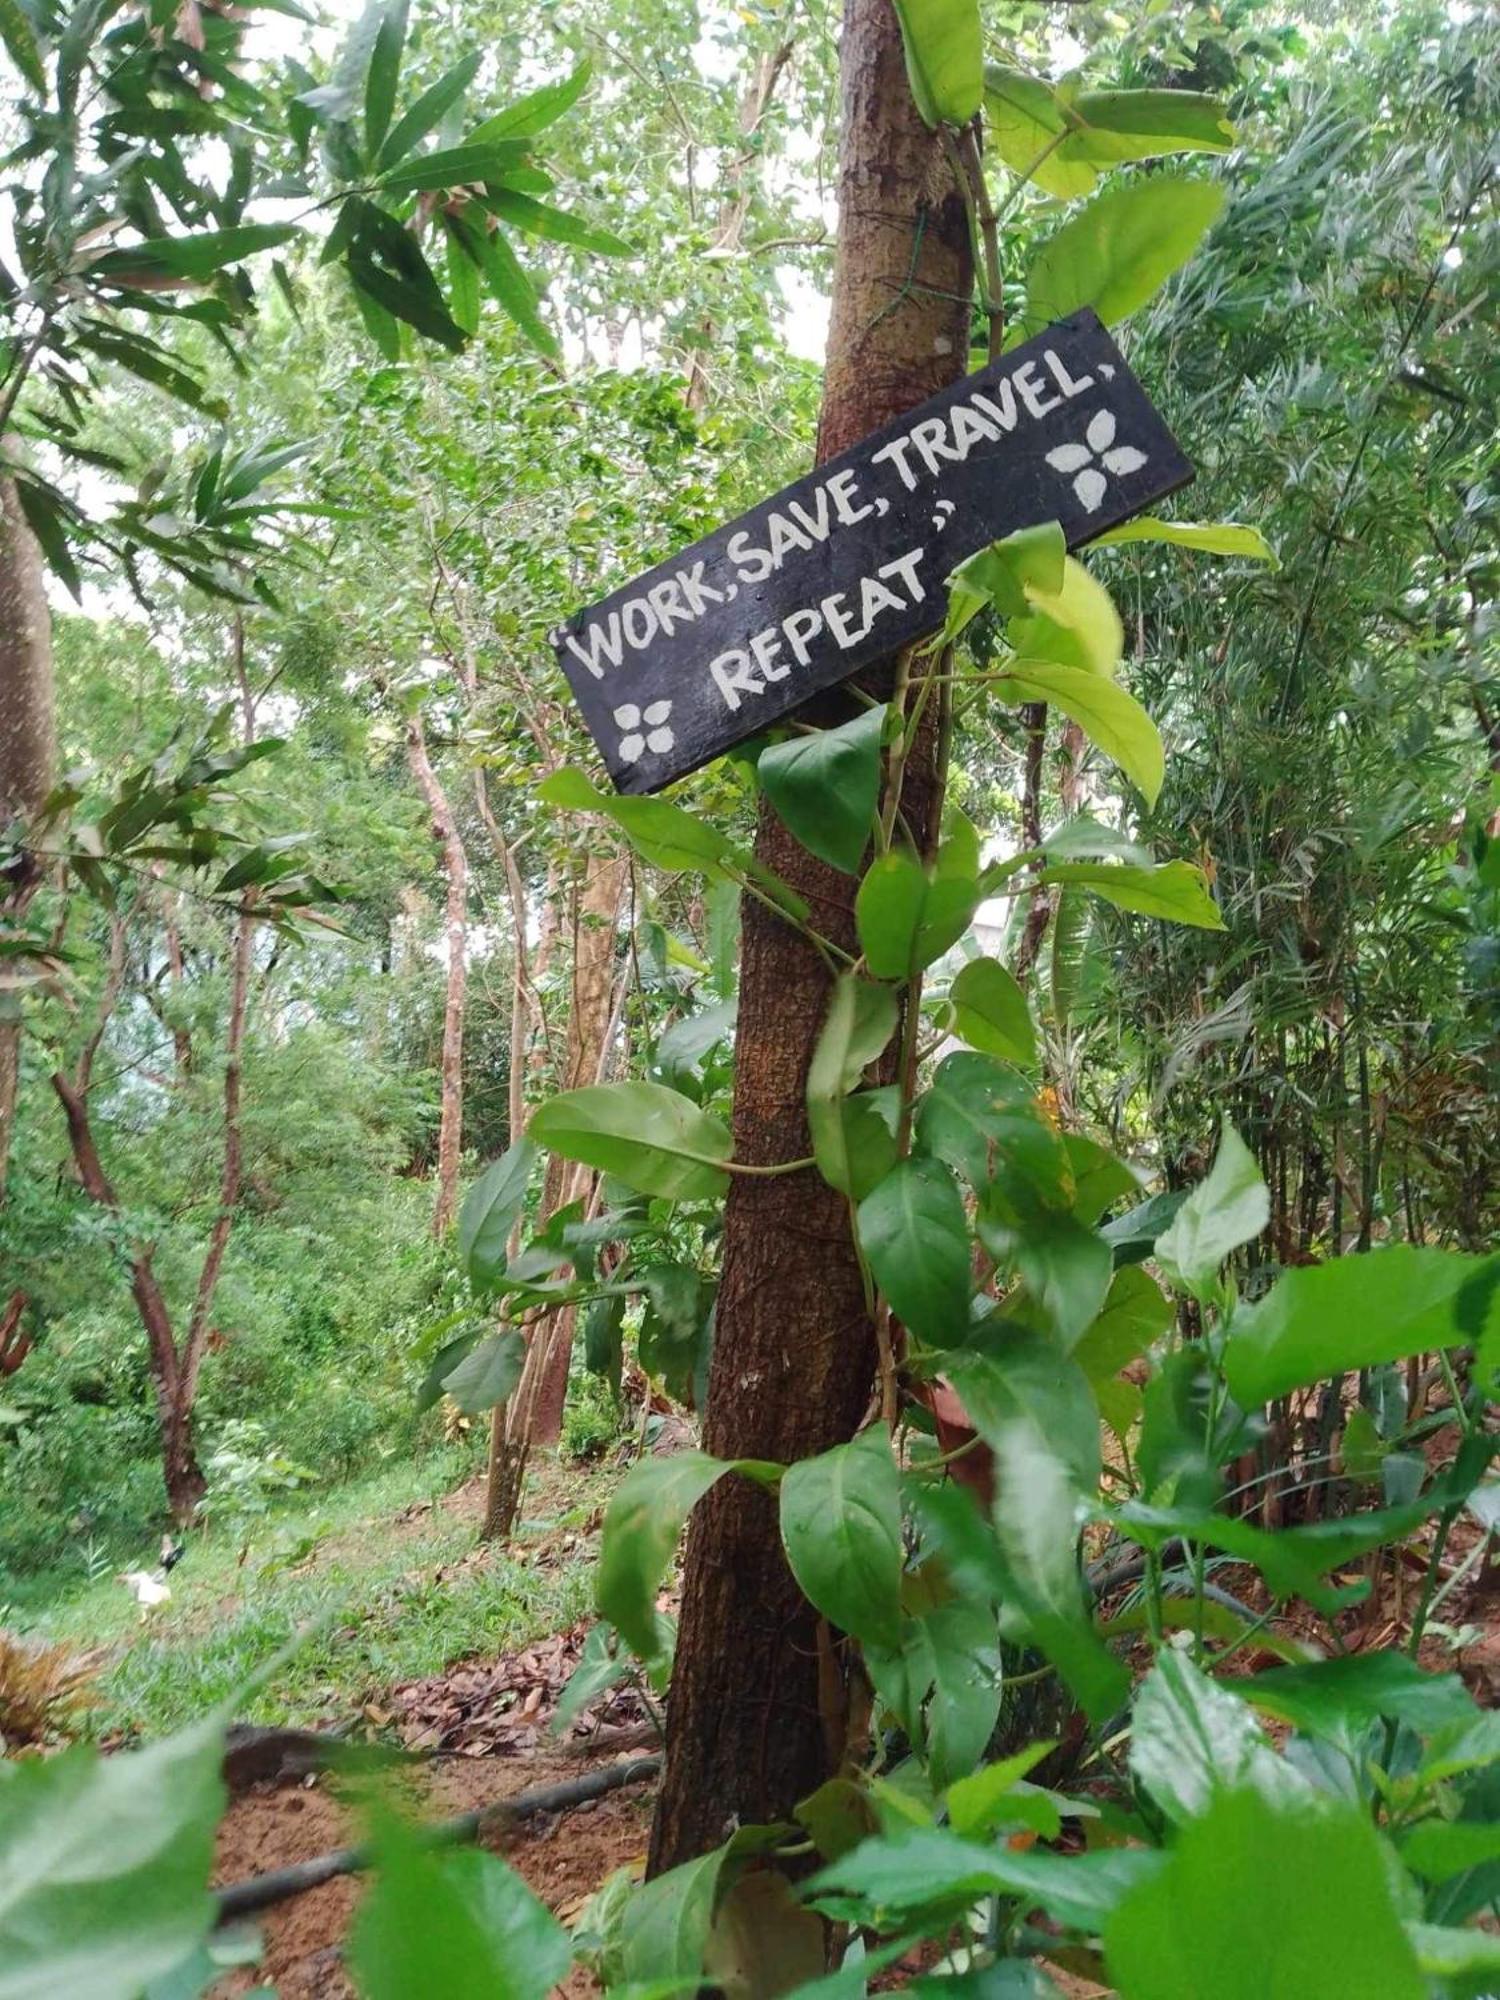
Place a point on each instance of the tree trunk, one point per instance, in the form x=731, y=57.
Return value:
x=456, y=873
x=794, y=1358
x=28, y=751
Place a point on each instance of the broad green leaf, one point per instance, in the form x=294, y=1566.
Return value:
x=537, y=110
x=1026, y=125
x=488, y=1373
x=1034, y=1410
x=453, y=167
x=461, y=1924
x=1065, y=1264
x=489, y=1213
x=991, y=1013
x=976, y=1803
x=963, y=1643
x=1001, y=574
x=1100, y=1178
x=601, y=1666
x=1074, y=625
x=661, y=832
x=1135, y=1313
x=195, y=258
x=104, y=1865
x=826, y=786
x=929, y=1877
x=1440, y=1848
x=944, y=47
x=909, y=915
x=653, y=1138
x=1190, y=1738
x=1215, y=538
x=1226, y=1210
x=1175, y=891
x=1108, y=715
x=1132, y=1237
x=967, y=1109
x=1060, y=137
x=763, y=1940
x=841, y=1528
x=1265, y=1898
x=641, y=1530
x=846, y=1131
x=665, y=1924
x=1341, y=1695
x=913, y=1231
x=1115, y=253
x=1355, y=1312
x=539, y=218
x=1292, y=1560
x=428, y=110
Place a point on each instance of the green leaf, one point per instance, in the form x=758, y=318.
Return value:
x=19, y=38
x=913, y=1230
x=1074, y=624
x=991, y=1013
x=1072, y=931
x=1227, y=1209
x=976, y=1804
x=846, y=1131
x=104, y=1865
x=663, y=833
x=1026, y=125
x=1118, y=250
x=909, y=915
x=1292, y=1560
x=383, y=74
x=1132, y=1237
x=515, y=294
x=1265, y=1898
x=826, y=786
x=1109, y=716
x=463, y=277
x=967, y=1109
x=1059, y=138
x=1355, y=1312
x=539, y=218
x=1339, y=1696
x=944, y=46
x=194, y=257
x=929, y=1877
x=641, y=1530
x=1135, y=1313
x=1002, y=574
x=1190, y=1739
x=653, y=1138
x=1176, y=891
x=1440, y=1848
x=386, y=264
x=453, y=166
x=488, y=1373
x=841, y=1528
x=489, y=1213
x=462, y=1924
x=537, y=110
x=1034, y=1410
x=428, y=110
x=1215, y=538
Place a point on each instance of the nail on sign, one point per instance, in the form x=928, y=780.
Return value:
x=849, y=564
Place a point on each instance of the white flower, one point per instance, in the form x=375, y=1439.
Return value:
x=1089, y=483
x=644, y=730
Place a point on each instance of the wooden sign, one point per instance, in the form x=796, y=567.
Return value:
x=849, y=564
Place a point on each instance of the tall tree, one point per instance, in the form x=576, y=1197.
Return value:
x=795, y=1348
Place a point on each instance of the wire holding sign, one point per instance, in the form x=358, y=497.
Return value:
x=849, y=564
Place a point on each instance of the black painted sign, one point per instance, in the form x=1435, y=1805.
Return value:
x=849, y=564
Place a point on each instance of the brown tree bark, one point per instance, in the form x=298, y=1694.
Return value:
x=456, y=920
x=28, y=750
x=794, y=1358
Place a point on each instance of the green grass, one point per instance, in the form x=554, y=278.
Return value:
x=378, y=1599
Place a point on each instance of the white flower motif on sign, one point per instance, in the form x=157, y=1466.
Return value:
x=1083, y=460
x=644, y=730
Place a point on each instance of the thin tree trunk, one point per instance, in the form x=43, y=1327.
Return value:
x=456, y=873
x=28, y=751
x=794, y=1358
